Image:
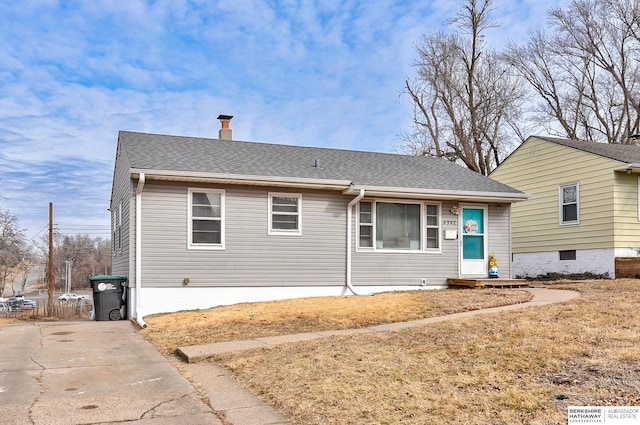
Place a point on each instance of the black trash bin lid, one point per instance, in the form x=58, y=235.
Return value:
x=107, y=277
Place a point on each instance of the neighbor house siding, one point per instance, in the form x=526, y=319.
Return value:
x=250, y=257
x=626, y=223
x=536, y=222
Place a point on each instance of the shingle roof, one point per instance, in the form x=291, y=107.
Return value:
x=201, y=155
x=623, y=153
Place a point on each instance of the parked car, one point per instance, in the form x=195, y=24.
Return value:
x=20, y=297
x=28, y=305
x=13, y=303
x=3, y=307
x=70, y=297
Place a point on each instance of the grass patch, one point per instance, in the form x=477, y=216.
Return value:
x=7, y=321
x=251, y=320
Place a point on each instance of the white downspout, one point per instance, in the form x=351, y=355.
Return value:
x=139, y=317
x=349, y=234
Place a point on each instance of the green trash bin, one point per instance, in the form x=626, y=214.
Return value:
x=109, y=297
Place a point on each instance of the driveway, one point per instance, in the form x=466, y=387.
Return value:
x=86, y=372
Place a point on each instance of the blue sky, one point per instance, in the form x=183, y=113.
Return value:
x=318, y=73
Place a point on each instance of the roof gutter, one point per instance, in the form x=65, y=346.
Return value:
x=273, y=181
x=138, y=272
x=349, y=237
x=440, y=194
x=633, y=167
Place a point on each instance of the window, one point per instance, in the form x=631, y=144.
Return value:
x=113, y=233
x=567, y=255
x=206, y=218
x=120, y=225
x=398, y=226
x=569, y=204
x=116, y=230
x=638, y=198
x=366, y=225
x=285, y=214
x=433, y=226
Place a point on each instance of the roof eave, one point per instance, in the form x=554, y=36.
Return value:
x=632, y=168
x=346, y=186
x=457, y=195
x=236, y=179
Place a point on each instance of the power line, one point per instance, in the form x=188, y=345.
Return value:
x=45, y=227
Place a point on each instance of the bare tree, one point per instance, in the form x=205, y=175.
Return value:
x=586, y=71
x=12, y=246
x=553, y=77
x=89, y=256
x=629, y=13
x=27, y=261
x=465, y=101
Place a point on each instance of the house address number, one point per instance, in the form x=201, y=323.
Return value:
x=450, y=222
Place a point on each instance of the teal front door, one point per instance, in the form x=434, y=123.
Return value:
x=473, y=243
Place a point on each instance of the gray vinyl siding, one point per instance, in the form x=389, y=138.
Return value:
x=251, y=257
x=499, y=236
x=122, y=192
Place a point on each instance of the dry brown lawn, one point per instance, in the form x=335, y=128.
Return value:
x=518, y=367
x=7, y=321
x=251, y=320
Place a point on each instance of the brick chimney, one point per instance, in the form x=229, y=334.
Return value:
x=225, y=131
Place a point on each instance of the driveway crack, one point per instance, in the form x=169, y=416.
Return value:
x=39, y=379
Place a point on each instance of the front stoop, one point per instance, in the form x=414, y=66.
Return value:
x=487, y=282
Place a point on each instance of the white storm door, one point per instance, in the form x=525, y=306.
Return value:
x=473, y=243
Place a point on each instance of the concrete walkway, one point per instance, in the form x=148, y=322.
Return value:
x=240, y=407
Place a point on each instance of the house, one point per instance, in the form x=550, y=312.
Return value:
x=583, y=214
x=202, y=222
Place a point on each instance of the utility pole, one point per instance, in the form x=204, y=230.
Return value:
x=51, y=280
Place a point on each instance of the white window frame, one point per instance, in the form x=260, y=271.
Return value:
x=298, y=213
x=190, y=218
x=114, y=232
x=438, y=227
x=120, y=225
x=561, y=204
x=638, y=190
x=370, y=225
x=423, y=227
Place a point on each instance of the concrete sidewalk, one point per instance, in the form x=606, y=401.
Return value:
x=240, y=407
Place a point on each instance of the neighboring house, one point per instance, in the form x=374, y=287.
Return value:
x=583, y=212
x=203, y=222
